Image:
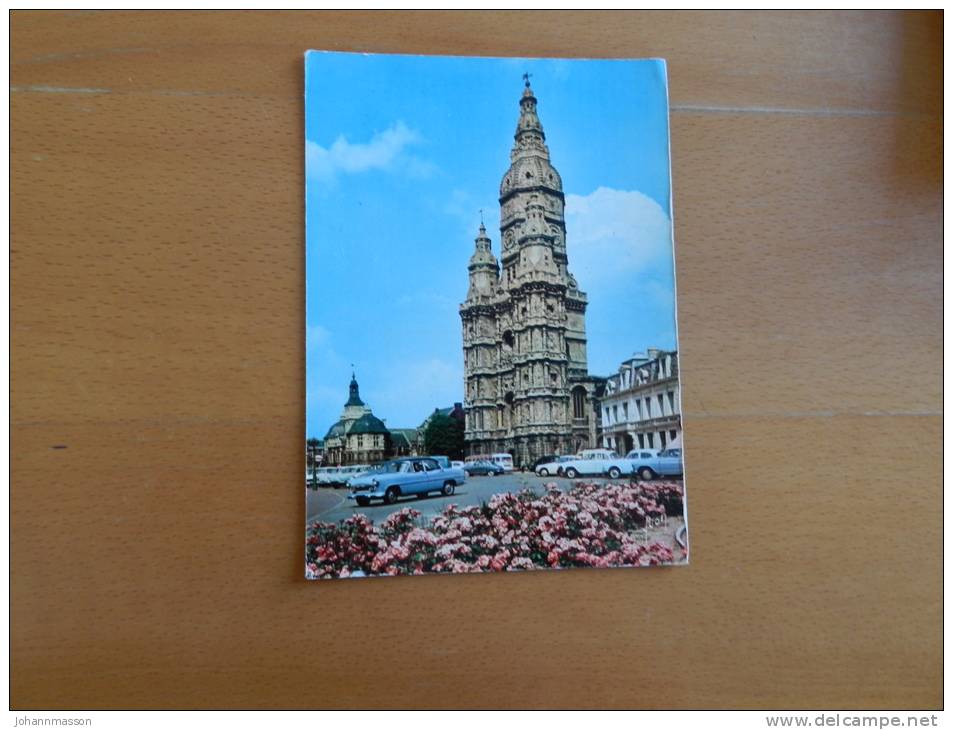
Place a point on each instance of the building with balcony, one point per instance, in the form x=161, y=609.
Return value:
x=641, y=407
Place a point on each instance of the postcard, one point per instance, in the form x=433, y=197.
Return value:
x=492, y=358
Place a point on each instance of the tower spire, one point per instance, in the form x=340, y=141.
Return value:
x=482, y=244
x=529, y=127
x=354, y=393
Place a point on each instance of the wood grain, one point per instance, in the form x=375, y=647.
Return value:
x=157, y=294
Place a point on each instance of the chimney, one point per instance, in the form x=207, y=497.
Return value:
x=653, y=353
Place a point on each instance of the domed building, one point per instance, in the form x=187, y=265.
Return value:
x=358, y=437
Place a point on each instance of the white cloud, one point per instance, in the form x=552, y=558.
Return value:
x=416, y=387
x=316, y=336
x=384, y=151
x=615, y=233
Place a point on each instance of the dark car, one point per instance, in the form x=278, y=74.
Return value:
x=483, y=468
x=548, y=459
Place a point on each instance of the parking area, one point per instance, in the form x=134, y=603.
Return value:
x=331, y=505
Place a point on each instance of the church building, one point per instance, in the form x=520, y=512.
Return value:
x=528, y=391
x=358, y=437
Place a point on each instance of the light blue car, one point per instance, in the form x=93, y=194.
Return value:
x=417, y=476
x=648, y=463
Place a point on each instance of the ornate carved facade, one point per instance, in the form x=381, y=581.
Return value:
x=528, y=390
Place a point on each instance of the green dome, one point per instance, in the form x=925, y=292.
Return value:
x=336, y=431
x=368, y=423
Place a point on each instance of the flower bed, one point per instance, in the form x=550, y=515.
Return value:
x=591, y=525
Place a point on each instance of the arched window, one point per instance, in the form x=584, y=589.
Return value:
x=579, y=402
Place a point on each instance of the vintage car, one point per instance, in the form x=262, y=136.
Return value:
x=547, y=459
x=482, y=468
x=325, y=474
x=554, y=466
x=504, y=460
x=397, y=478
x=644, y=462
x=667, y=463
x=648, y=463
x=343, y=474
x=597, y=462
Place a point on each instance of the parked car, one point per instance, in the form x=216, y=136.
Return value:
x=644, y=462
x=483, y=468
x=504, y=460
x=325, y=474
x=456, y=464
x=554, y=466
x=548, y=459
x=344, y=474
x=403, y=477
x=667, y=462
x=597, y=462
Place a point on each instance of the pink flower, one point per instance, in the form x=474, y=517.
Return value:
x=588, y=525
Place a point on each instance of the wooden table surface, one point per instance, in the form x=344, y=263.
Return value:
x=158, y=378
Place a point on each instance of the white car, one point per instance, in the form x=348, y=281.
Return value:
x=344, y=474
x=554, y=467
x=597, y=462
x=504, y=460
x=324, y=474
x=643, y=462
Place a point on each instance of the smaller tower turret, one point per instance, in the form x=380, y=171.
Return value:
x=484, y=268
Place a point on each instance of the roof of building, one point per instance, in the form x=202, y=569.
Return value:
x=482, y=254
x=400, y=439
x=408, y=433
x=436, y=412
x=368, y=423
x=336, y=431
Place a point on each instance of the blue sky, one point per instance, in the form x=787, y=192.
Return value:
x=402, y=152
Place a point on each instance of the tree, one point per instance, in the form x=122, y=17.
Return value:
x=312, y=455
x=444, y=436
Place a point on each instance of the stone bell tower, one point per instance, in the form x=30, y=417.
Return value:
x=528, y=391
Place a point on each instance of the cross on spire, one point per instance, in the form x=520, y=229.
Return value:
x=526, y=78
